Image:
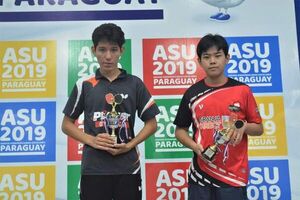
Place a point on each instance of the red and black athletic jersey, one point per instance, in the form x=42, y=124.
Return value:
x=204, y=107
x=89, y=97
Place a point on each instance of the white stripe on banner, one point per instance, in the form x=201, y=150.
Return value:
x=24, y=90
x=171, y=150
x=22, y=153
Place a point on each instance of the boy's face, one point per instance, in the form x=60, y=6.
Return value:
x=213, y=61
x=108, y=55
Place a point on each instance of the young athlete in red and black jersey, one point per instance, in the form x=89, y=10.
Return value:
x=211, y=105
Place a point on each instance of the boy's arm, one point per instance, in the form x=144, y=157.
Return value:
x=251, y=129
x=70, y=129
x=150, y=126
x=101, y=141
x=254, y=129
x=182, y=136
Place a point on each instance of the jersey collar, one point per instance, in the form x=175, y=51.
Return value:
x=100, y=76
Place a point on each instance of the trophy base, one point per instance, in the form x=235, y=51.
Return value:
x=208, y=154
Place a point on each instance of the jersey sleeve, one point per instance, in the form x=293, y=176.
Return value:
x=252, y=112
x=75, y=104
x=146, y=106
x=184, y=115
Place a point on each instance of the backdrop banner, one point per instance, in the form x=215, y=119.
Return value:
x=45, y=46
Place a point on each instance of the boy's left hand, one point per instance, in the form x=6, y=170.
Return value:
x=237, y=135
x=119, y=149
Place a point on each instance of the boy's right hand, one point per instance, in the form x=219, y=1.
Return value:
x=198, y=149
x=103, y=141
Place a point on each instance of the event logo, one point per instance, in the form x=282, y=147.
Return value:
x=82, y=62
x=163, y=143
x=27, y=131
x=28, y=69
x=166, y=180
x=273, y=141
x=27, y=182
x=170, y=66
x=256, y=62
x=269, y=179
x=73, y=182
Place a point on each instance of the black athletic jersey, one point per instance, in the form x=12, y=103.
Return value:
x=208, y=109
x=91, y=96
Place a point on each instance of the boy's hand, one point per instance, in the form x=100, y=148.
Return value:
x=103, y=141
x=237, y=135
x=119, y=149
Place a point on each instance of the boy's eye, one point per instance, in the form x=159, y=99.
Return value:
x=101, y=49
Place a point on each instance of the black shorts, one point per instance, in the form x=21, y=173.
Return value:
x=108, y=187
x=196, y=192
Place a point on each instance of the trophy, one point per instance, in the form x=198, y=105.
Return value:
x=113, y=116
x=222, y=138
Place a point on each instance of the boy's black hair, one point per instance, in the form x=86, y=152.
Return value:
x=108, y=32
x=211, y=40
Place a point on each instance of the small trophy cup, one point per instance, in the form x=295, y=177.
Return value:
x=113, y=116
x=222, y=138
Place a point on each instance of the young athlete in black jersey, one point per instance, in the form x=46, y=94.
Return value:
x=110, y=99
